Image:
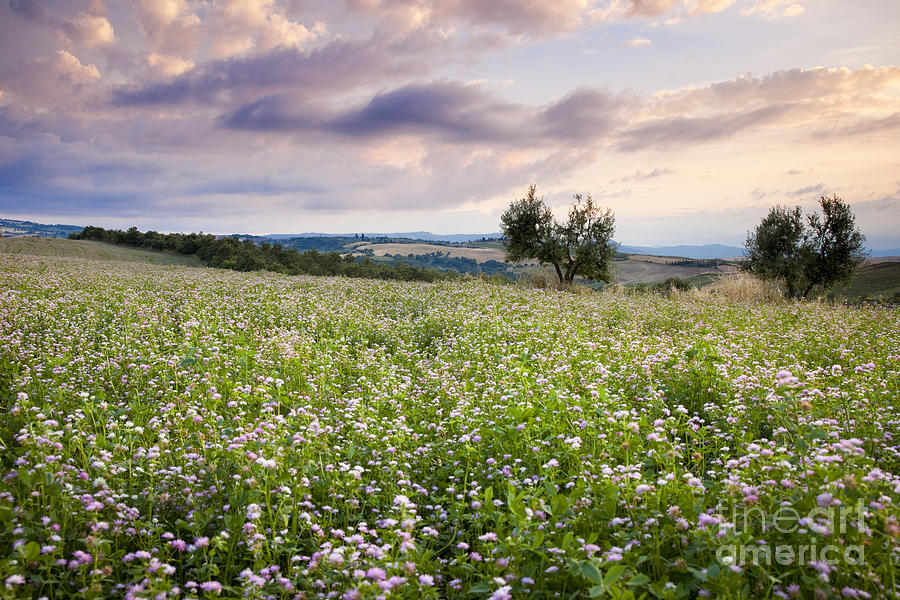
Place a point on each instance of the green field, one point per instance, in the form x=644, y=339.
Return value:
x=172, y=432
x=878, y=280
x=43, y=246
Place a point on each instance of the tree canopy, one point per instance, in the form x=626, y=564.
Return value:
x=804, y=254
x=580, y=246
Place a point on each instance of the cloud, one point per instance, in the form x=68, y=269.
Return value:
x=808, y=190
x=774, y=9
x=171, y=27
x=700, y=7
x=451, y=111
x=60, y=79
x=649, y=8
x=862, y=127
x=641, y=175
x=29, y=9
x=533, y=18
x=637, y=42
x=582, y=115
x=621, y=10
x=261, y=25
x=677, y=131
x=70, y=68
x=225, y=28
x=88, y=30
x=168, y=66
x=457, y=112
x=546, y=18
x=781, y=87
x=339, y=64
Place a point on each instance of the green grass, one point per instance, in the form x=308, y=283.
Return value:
x=42, y=246
x=705, y=279
x=879, y=280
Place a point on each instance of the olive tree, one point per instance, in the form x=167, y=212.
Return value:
x=580, y=246
x=775, y=249
x=805, y=254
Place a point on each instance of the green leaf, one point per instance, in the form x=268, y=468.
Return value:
x=591, y=571
x=613, y=574
x=488, y=495
x=596, y=591
x=32, y=551
x=479, y=589
x=639, y=579
x=6, y=513
x=559, y=505
x=549, y=488
x=700, y=575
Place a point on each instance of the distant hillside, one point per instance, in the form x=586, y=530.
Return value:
x=426, y=236
x=12, y=227
x=716, y=251
x=873, y=280
x=707, y=251
x=46, y=246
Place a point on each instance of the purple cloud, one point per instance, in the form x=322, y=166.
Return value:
x=863, y=127
x=30, y=9
x=455, y=112
x=808, y=190
x=678, y=131
x=338, y=65
x=535, y=18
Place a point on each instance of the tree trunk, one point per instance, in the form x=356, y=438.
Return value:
x=790, y=291
x=559, y=273
x=571, y=269
x=807, y=291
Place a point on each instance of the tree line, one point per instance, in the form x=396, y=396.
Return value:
x=245, y=255
x=460, y=264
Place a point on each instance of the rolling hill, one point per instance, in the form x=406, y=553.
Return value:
x=873, y=280
x=14, y=227
x=45, y=246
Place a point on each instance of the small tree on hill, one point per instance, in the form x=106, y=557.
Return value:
x=775, y=248
x=823, y=251
x=581, y=246
x=834, y=244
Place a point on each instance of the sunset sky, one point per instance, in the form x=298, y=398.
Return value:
x=690, y=118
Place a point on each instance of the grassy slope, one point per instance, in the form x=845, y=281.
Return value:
x=41, y=246
x=872, y=281
x=643, y=270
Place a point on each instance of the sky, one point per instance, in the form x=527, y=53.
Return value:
x=689, y=118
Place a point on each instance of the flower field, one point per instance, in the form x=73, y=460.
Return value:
x=171, y=432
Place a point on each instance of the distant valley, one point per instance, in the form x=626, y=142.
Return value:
x=475, y=254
